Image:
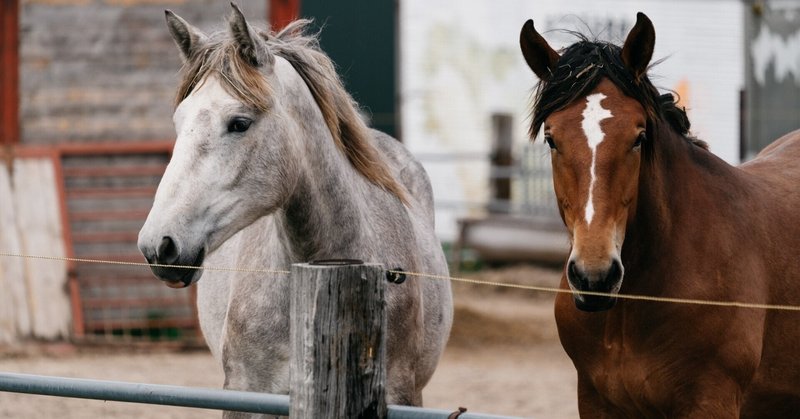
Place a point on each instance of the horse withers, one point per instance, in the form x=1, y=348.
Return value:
x=273, y=165
x=650, y=211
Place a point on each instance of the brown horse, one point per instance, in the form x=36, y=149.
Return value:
x=644, y=200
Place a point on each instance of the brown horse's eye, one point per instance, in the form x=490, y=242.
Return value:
x=550, y=143
x=642, y=136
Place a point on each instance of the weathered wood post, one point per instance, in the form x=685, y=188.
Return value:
x=338, y=340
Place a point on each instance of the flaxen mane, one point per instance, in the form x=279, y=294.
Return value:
x=581, y=68
x=302, y=50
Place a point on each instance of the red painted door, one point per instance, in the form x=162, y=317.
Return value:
x=9, y=72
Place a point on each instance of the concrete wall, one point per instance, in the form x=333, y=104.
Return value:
x=460, y=63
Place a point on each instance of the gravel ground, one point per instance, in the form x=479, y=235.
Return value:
x=503, y=358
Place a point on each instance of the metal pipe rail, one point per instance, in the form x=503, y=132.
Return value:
x=203, y=398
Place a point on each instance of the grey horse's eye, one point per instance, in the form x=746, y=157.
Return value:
x=239, y=124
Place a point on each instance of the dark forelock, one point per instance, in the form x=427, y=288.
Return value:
x=581, y=68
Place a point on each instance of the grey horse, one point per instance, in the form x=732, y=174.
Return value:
x=272, y=166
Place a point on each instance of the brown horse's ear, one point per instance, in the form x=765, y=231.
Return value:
x=638, y=48
x=252, y=47
x=188, y=38
x=537, y=52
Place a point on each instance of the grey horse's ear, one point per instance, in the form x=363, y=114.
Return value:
x=252, y=47
x=188, y=38
x=541, y=58
x=638, y=48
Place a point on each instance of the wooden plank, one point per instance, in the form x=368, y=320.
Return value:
x=106, y=237
x=15, y=322
x=129, y=258
x=66, y=234
x=9, y=76
x=122, y=215
x=38, y=216
x=103, y=325
x=94, y=270
x=112, y=193
x=338, y=341
x=58, y=169
x=101, y=280
x=116, y=171
x=105, y=302
x=91, y=149
x=116, y=148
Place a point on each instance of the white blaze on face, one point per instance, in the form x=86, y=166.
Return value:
x=592, y=115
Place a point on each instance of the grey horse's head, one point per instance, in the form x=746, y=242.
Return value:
x=231, y=164
x=247, y=109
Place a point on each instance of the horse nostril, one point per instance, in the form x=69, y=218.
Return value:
x=572, y=272
x=614, y=272
x=167, y=252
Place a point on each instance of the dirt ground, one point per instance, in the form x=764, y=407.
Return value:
x=503, y=358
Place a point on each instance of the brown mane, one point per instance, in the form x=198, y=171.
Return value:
x=351, y=135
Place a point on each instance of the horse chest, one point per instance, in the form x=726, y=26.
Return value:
x=620, y=376
x=623, y=372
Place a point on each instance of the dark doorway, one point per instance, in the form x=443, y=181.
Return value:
x=361, y=38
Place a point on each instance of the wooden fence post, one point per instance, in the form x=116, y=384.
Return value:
x=338, y=341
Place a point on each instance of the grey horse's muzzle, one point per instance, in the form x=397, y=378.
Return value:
x=177, y=267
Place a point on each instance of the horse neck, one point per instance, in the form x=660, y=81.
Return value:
x=324, y=217
x=683, y=188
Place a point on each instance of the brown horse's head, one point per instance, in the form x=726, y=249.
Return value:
x=595, y=103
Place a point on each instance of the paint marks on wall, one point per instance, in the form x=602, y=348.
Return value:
x=776, y=55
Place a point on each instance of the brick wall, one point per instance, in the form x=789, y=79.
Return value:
x=100, y=70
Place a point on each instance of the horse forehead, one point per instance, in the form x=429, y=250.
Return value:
x=207, y=97
x=584, y=119
x=626, y=112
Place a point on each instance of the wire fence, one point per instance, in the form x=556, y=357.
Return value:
x=554, y=290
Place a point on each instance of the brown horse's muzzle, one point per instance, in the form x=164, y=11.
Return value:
x=605, y=280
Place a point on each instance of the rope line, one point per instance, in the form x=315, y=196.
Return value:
x=554, y=290
x=143, y=264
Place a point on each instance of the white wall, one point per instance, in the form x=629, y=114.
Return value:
x=460, y=63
